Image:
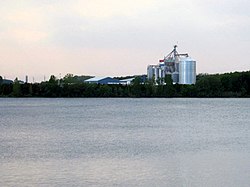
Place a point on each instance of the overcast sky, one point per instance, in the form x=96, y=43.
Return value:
x=117, y=37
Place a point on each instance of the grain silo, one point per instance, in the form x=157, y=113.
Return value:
x=150, y=71
x=187, y=71
x=180, y=66
x=175, y=77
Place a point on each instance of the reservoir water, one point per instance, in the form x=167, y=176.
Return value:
x=124, y=142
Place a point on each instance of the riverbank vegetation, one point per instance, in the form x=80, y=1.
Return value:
x=235, y=84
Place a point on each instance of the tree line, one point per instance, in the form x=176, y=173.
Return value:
x=235, y=84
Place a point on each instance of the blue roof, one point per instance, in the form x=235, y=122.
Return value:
x=6, y=81
x=103, y=80
x=130, y=79
x=96, y=79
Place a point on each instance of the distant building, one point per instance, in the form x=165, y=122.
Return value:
x=6, y=81
x=103, y=80
x=21, y=82
x=181, y=67
x=127, y=81
x=109, y=80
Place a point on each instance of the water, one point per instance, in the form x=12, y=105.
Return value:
x=125, y=142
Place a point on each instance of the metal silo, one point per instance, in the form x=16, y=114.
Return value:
x=175, y=77
x=150, y=71
x=187, y=71
x=157, y=72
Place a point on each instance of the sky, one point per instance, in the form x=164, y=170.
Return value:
x=40, y=38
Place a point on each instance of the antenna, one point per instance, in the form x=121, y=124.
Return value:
x=175, y=51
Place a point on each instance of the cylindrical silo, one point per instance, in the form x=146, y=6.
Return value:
x=157, y=72
x=175, y=77
x=150, y=72
x=187, y=71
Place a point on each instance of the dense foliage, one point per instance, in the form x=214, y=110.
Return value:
x=219, y=85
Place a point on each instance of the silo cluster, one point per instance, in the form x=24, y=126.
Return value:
x=181, y=67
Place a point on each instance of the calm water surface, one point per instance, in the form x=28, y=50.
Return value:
x=125, y=142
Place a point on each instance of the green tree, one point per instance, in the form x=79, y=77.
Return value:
x=52, y=79
x=16, y=88
x=1, y=79
x=169, y=88
x=150, y=88
x=209, y=86
x=6, y=89
x=30, y=90
x=69, y=78
x=136, y=87
x=105, y=90
x=187, y=91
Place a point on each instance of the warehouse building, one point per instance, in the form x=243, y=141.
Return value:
x=103, y=80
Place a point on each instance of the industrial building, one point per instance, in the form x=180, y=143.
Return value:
x=6, y=81
x=127, y=81
x=102, y=80
x=181, y=67
x=109, y=80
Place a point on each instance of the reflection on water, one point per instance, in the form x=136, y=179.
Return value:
x=124, y=142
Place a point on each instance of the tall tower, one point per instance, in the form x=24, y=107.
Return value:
x=26, y=79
